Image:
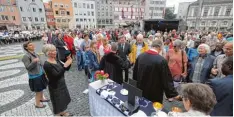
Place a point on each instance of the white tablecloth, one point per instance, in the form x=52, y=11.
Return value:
x=99, y=106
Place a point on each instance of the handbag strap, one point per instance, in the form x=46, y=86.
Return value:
x=182, y=53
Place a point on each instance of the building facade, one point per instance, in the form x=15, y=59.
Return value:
x=154, y=9
x=63, y=13
x=84, y=14
x=32, y=14
x=183, y=10
x=9, y=15
x=172, y=9
x=128, y=12
x=105, y=11
x=216, y=15
x=49, y=15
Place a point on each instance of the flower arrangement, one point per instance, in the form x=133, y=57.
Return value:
x=100, y=75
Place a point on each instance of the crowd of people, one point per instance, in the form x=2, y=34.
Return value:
x=9, y=37
x=159, y=62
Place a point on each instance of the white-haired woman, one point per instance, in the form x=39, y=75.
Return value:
x=200, y=66
x=55, y=70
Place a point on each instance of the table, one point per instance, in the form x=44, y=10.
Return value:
x=101, y=107
x=97, y=105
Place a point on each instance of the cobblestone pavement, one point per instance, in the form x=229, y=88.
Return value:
x=16, y=99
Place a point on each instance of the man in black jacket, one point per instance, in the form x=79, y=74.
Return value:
x=124, y=50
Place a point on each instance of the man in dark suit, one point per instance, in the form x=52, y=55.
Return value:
x=124, y=50
x=223, y=89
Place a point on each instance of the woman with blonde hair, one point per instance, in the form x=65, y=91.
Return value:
x=104, y=48
x=99, y=40
x=55, y=70
x=92, y=60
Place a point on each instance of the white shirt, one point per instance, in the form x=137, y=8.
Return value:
x=190, y=44
x=77, y=42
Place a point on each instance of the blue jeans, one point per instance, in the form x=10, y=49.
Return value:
x=79, y=59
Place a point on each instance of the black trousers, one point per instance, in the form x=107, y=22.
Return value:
x=126, y=74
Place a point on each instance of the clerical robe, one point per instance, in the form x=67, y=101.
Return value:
x=153, y=76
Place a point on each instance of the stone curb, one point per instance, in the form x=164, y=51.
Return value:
x=15, y=57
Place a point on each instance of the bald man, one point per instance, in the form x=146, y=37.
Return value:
x=216, y=70
x=139, y=47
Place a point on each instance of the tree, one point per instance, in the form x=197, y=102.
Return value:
x=169, y=14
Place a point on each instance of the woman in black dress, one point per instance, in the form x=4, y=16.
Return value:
x=37, y=79
x=55, y=70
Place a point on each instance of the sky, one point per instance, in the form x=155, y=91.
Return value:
x=170, y=3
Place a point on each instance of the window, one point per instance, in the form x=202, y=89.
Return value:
x=203, y=23
x=205, y=13
x=225, y=23
x=63, y=20
x=85, y=20
x=84, y=5
x=89, y=20
x=88, y=6
x=91, y=6
x=98, y=13
x=111, y=22
x=30, y=18
x=55, y=5
x=93, y=20
x=116, y=17
x=79, y=5
x=103, y=21
x=213, y=22
x=68, y=13
x=116, y=9
x=56, y=12
x=80, y=13
x=42, y=19
x=62, y=12
x=6, y=17
x=58, y=20
x=33, y=0
x=13, y=18
x=36, y=19
x=61, y=5
x=99, y=21
x=106, y=13
x=24, y=18
x=195, y=11
x=34, y=10
x=84, y=14
x=92, y=13
x=228, y=11
x=216, y=12
x=77, y=19
x=68, y=20
x=66, y=6
x=3, y=17
x=81, y=20
x=75, y=5
x=102, y=13
x=88, y=13
x=12, y=9
x=40, y=10
x=21, y=9
x=151, y=8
